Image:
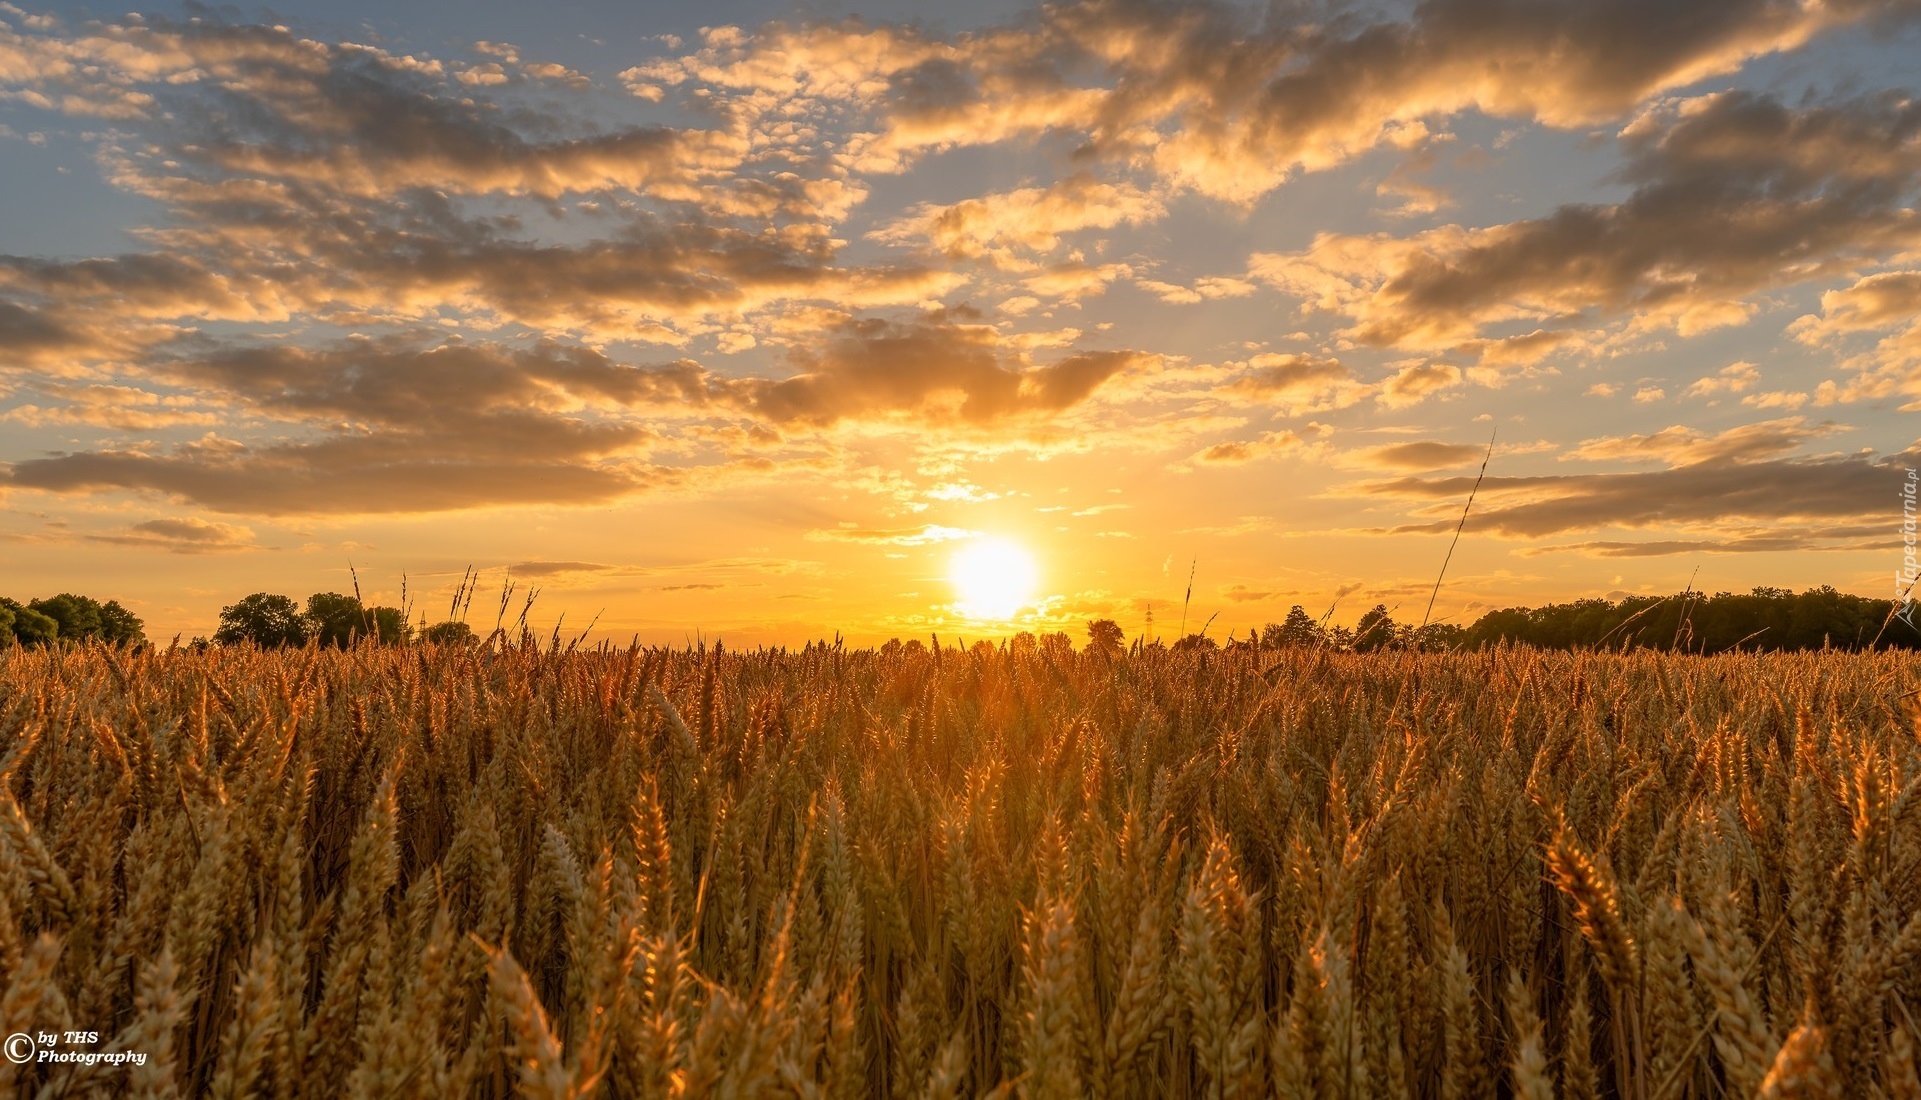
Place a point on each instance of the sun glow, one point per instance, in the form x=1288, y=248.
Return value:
x=994, y=579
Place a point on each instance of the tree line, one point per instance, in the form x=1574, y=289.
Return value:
x=1692, y=622
x=329, y=619
x=1695, y=622
x=68, y=618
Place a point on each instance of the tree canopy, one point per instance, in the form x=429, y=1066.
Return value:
x=331, y=619
x=68, y=617
x=264, y=619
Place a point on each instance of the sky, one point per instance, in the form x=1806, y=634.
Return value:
x=767, y=322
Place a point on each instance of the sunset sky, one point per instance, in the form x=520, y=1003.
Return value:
x=743, y=320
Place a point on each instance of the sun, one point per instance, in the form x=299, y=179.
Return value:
x=994, y=578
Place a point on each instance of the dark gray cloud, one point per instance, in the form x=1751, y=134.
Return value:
x=1796, y=494
x=527, y=395
x=1421, y=455
x=344, y=474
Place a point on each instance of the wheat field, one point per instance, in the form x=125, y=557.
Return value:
x=1021, y=871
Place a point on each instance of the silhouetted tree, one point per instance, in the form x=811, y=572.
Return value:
x=387, y=625
x=1104, y=637
x=1376, y=630
x=263, y=619
x=1435, y=636
x=1297, y=629
x=336, y=620
x=1057, y=646
x=450, y=633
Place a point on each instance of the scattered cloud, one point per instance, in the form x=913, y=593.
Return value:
x=1795, y=543
x=1734, y=193
x=1009, y=226
x=1733, y=378
x=555, y=568
x=1296, y=383
x=1240, y=452
x=942, y=367
x=188, y=535
x=1683, y=446
x=908, y=536
x=1420, y=455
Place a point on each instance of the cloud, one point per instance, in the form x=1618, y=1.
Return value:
x=1204, y=289
x=1074, y=279
x=1874, y=301
x=1810, y=493
x=45, y=339
x=348, y=117
x=908, y=536
x=1775, y=399
x=388, y=426
x=309, y=178
x=1421, y=455
x=1683, y=446
x=189, y=535
x=1029, y=220
x=1247, y=525
x=1655, y=548
x=1416, y=383
x=1886, y=304
x=1222, y=101
x=124, y=408
x=346, y=474
x=554, y=568
x=456, y=388
x=1732, y=378
x=1240, y=452
x=1734, y=193
x=1296, y=383
x=651, y=283
x=940, y=367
